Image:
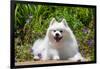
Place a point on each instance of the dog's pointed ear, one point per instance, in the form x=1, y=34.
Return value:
x=52, y=21
x=64, y=22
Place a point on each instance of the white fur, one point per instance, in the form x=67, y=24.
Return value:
x=65, y=49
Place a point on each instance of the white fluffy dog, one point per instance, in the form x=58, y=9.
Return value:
x=58, y=44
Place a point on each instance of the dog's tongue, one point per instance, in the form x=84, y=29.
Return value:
x=57, y=39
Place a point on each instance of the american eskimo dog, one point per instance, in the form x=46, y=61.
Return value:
x=58, y=44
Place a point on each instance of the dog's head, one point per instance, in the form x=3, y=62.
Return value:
x=57, y=31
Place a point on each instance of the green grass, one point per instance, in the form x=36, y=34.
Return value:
x=32, y=21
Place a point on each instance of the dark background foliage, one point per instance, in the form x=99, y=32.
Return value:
x=31, y=23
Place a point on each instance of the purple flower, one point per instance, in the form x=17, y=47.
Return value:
x=39, y=54
x=89, y=42
x=85, y=30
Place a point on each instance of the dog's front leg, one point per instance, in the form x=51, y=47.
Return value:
x=55, y=55
x=45, y=55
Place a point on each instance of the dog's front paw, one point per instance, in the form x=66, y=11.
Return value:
x=45, y=57
x=36, y=58
x=56, y=58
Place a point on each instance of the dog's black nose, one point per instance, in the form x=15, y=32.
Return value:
x=57, y=34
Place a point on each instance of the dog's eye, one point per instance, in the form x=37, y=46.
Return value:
x=54, y=30
x=61, y=31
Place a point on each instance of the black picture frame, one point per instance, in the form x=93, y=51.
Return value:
x=12, y=19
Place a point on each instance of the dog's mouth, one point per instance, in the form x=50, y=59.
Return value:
x=57, y=39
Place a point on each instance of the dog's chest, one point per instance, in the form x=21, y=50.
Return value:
x=67, y=52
